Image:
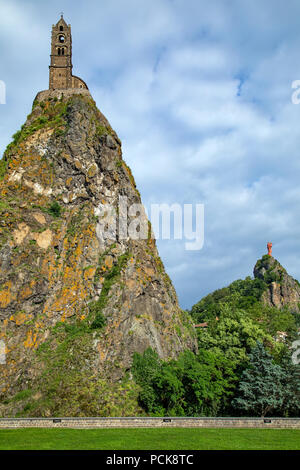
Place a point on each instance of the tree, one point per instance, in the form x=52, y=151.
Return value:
x=241, y=294
x=261, y=389
x=272, y=320
x=233, y=335
x=145, y=367
x=291, y=384
x=193, y=385
x=169, y=390
x=208, y=380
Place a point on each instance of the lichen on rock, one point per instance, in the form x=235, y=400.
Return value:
x=54, y=269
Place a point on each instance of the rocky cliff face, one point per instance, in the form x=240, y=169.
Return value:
x=282, y=289
x=69, y=298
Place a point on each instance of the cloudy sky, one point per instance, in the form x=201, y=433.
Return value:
x=200, y=94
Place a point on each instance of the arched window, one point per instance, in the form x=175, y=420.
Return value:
x=63, y=51
x=59, y=51
x=61, y=28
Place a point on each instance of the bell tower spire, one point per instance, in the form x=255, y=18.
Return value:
x=61, y=56
x=60, y=73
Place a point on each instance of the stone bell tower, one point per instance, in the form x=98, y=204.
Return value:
x=60, y=76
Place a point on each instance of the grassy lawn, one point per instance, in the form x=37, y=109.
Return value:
x=150, y=439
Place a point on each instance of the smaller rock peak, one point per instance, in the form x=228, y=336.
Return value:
x=268, y=267
x=281, y=289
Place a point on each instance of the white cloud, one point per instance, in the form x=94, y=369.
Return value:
x=199, y=92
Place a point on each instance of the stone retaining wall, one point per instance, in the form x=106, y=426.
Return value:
x=279, y=423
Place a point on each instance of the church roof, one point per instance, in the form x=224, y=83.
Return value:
x=61, y=21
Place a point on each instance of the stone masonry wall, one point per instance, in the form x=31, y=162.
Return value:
x=265, y=423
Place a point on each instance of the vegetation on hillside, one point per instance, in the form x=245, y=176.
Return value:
x=223, y=378
x=67, y=385
x=193, y=385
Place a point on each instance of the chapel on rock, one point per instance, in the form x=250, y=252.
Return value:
x=60, y=70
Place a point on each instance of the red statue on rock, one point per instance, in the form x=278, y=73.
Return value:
x=269, y=246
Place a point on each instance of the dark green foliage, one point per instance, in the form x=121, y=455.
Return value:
x=55, y=209
x=233, y=335
x=263, y=386
x=272, y=320
x=203, y=385
x=191, y=386
x=272, y=276
x=99, y=319
x=237, y=318
x=208, y=380
x=264, y=262
x=242, y=321
x=291, y=384
x=297, y=318
x=145, y=369
x=241, y=294
x=241, y=301
x=76, y=328
x=270, y=270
